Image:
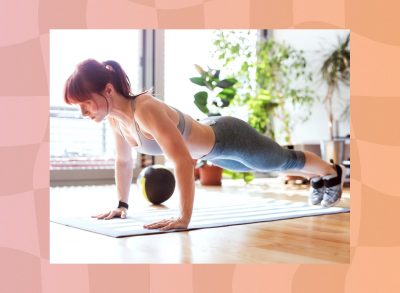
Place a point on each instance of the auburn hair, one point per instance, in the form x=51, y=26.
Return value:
x=91, y=76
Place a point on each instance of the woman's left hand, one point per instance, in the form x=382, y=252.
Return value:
x=168, y=224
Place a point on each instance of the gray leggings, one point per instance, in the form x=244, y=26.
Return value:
x=239, y=147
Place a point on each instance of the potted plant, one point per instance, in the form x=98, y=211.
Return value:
x=335, y=71
x=209, y=174
x=218, y=94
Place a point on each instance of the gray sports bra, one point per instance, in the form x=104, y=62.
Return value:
x=150, y=146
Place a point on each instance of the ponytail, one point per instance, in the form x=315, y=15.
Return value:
x=119, y=79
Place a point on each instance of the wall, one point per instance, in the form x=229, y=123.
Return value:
x=315, y=43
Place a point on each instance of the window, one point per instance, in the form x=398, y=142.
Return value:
x=76, y=142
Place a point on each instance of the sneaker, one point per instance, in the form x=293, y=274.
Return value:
x=334, y=186
x=317, y=191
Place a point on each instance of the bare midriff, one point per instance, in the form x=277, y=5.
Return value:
x=201, y=138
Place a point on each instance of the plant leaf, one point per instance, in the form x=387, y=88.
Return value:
x=198, y=81
x=226, y=96
x=200, y=100
x=216, y=74
x=229, y=82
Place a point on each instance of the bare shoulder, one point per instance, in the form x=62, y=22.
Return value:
x=147, y=104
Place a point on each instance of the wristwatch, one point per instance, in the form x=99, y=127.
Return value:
x=122, y=204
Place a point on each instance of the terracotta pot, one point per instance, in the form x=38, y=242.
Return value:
x=210, y=175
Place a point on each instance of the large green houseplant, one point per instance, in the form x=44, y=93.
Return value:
x=275, y=68
x=217, y=93
x=335, y=72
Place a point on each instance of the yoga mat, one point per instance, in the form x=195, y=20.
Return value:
x=254, y=212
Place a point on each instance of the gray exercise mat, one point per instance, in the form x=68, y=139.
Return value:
x=253, y=212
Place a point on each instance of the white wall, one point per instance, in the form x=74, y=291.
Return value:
x=315, y=44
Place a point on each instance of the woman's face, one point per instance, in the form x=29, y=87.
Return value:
x=95, y=108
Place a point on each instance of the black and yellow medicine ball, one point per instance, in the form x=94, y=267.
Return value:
x=156, y=183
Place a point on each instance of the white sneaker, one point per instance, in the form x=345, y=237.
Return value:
x=317, y=191
x=333, y=186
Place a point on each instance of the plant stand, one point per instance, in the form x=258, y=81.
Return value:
x=333, y=150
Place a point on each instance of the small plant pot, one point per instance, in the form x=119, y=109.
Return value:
x=210, y=175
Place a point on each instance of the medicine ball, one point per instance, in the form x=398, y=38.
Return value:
x=156, y=183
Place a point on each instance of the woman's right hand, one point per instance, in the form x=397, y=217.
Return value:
x=117, y=213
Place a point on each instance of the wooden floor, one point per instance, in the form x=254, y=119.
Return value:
x=314, y=240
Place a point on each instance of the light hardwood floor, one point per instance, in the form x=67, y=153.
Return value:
x=314, y=240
